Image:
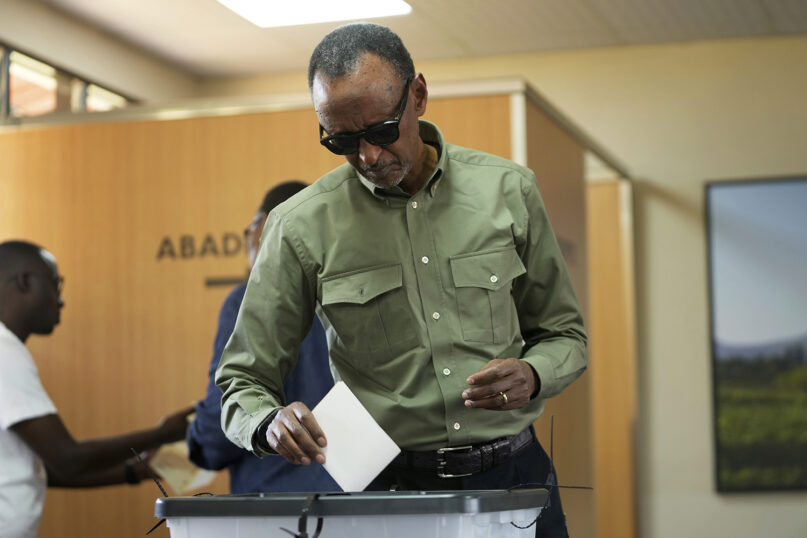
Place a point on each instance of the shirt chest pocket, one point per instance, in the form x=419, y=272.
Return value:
x=369, y=309
x=483, y=282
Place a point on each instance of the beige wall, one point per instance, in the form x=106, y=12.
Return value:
x=50, y=35
x=677, y=116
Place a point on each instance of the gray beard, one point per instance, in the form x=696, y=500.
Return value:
x=371, y=177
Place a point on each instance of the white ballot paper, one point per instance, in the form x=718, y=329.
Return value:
x=358, y=449
x=171, y=462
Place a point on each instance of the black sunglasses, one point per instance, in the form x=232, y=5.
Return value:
x=380, y=134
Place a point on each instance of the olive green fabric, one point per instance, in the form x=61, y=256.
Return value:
x=416, y=293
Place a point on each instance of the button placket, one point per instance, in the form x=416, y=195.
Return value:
x=432, y=298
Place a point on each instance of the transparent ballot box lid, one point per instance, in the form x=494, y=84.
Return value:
x=351, y=504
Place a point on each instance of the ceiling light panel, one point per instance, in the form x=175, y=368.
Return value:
x=269, y=14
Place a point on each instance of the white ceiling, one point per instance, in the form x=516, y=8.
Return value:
x=208, y=40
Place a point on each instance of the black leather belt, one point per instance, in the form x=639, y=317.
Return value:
x=458, y=461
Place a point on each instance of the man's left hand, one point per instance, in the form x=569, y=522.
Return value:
x=503, y=384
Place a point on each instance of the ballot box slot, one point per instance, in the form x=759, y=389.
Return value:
x=352, y=504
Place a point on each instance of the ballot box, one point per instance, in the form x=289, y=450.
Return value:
x=388, y=514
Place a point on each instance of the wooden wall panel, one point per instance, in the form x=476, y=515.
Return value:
x=481, y=123
x=613, y=351
x=137, y=332
x=558, y=162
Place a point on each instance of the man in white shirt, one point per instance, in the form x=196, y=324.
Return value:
x=36, y=448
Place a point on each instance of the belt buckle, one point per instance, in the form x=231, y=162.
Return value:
x=441, y=461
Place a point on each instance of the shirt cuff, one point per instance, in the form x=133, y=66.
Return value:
x=546, y=374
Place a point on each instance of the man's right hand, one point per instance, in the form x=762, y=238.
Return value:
x=174, y=426
x=295, y=435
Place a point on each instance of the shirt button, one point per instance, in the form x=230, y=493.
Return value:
x=436, y=315
x=425, y=259
x=494, y=278
x=456, y=425
x=446, y=371
x=414, y=205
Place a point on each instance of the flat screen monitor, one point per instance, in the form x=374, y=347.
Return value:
x=757, y=255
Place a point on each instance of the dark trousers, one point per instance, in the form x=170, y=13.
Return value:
x=530, y=466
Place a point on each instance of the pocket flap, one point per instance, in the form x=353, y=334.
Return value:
x=491, y=269
x=358, y=287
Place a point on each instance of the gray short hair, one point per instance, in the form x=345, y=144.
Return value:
x=339, y=52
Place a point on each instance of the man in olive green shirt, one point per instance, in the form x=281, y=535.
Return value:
x=435, y=271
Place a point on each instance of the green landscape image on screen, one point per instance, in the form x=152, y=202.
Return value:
x=758, y=285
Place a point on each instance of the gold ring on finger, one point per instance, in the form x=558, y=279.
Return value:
x=504, y=397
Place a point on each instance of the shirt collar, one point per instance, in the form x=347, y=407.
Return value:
x=430, y=134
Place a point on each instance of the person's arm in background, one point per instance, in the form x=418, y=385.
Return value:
x=208, y=447
x=93, y=462
x=129, y=472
